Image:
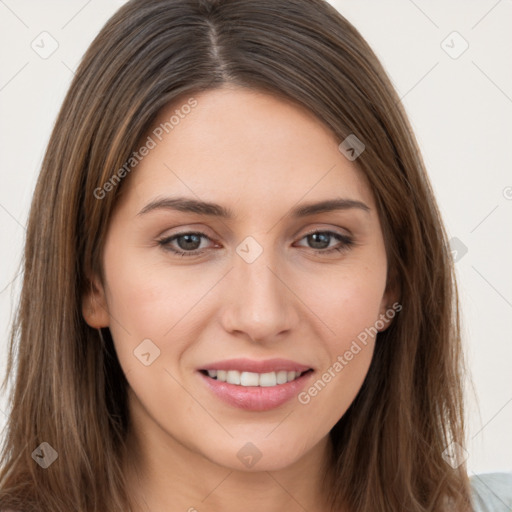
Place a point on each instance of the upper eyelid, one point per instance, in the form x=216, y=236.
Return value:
x=204, y=230
x=200, y=233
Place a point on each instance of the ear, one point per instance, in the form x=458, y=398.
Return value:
x=389, y=306
x=94, y=304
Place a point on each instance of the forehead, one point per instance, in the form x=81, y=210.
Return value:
x=241, y=146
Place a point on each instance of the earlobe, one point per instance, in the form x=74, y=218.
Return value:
x=94, y=305
x=390, y=306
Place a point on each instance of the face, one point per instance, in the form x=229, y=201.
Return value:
x=277, y=298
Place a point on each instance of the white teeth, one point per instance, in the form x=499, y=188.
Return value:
x=268, y=379
x=282, y=377
x=233, y=377
x=254, y=379
x=249, y=379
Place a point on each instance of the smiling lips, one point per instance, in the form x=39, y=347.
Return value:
x=255, y=385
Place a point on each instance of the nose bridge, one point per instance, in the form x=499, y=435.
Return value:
x=262, y=305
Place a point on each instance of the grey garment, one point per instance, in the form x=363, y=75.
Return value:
x=492, y=492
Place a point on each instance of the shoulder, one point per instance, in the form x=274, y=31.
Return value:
x=492, y=492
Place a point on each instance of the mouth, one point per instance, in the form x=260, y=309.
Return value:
x=253, y=379
x=255, y=385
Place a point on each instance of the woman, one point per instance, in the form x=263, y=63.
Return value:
x=212, y=162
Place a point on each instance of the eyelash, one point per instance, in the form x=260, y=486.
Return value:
x=347, y=243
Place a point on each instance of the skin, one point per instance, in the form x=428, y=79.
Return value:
x=260, y=156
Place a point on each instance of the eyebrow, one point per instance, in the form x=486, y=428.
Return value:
x=190, y=205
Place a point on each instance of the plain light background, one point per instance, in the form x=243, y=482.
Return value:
x=459, y=101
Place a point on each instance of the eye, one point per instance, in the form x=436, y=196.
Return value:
x=189, y=243
x=321, y=241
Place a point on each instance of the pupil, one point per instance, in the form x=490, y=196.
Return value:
x=323, y=243
x=190, y=242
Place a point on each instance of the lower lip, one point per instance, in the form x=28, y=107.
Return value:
x=256, y=398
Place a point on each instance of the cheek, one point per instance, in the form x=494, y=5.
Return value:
x=149, y=301
x=149, y=298
x=346, y=299
x=348, y=303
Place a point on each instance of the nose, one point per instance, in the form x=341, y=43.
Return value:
x=260, y=303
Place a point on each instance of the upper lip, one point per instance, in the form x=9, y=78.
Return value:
x=255, y=366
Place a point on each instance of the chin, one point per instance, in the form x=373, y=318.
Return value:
x=259, y=455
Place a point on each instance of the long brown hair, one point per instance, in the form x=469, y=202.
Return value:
x=68, y=388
